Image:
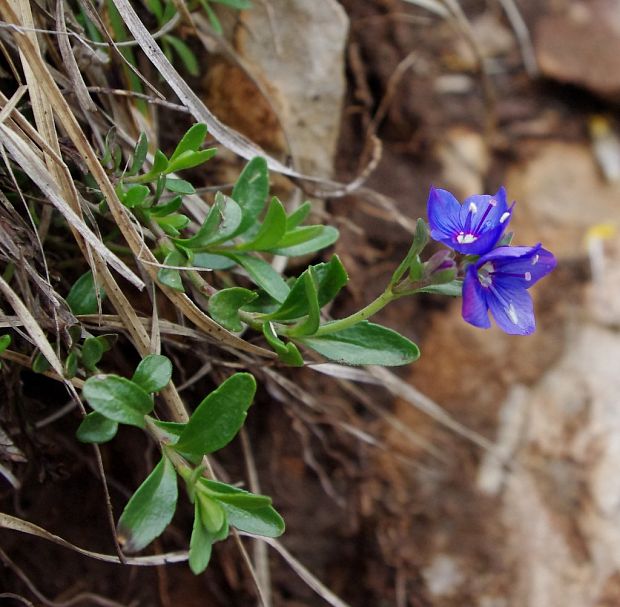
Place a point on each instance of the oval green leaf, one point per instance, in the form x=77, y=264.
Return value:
x=150, y=509
x=263, y=521
x=153, y=373
x=224, y=306
x=118, y=399
x=219, y=416
x=251, y=191
x=271, y=231
x=95, y=428
x=263, y=275
x=92, y=351
x=326, y=237
x=82, y=298
x=365, y=344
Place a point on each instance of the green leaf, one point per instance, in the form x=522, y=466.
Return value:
x=171, y=224
x=230, y=220
x=82, y=298
x=200, y=544
x=238, y=4
x=161, y=210
x=185, y=53
x=271, y=231
x=452, y=289
x=212, y=514
x=160, y=163
x=365, y=344
x=134, y=196
x=298, y=216
x=326, y=237
x=156, y=8
x=331, y=277
x=212, y=261
x=263, y=275
x=208, y=228
x=219, y=416
x=179, y=186
x=234, y=496
x=188, y=160
x=312, y=321
x=169, y=276
x=40, y=364
x=5, y=342
x=153, y=373
x=287, y=352
x=300, y=235
x=191, y=141
x=118, y=399
x=251, y=191
x=71, y=365
x=92, y=351
x=224, y=306
x=263, y=521
x=95, y=428
x=215, y=22
x=150, y=509
x=139, y=154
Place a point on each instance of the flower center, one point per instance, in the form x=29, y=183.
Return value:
x=484, y=274
x=463, y=238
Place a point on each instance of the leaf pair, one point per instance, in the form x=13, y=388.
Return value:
x=117, y=400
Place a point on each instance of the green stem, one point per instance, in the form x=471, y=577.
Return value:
x=344, y=323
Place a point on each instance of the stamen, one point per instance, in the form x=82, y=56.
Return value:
x=505, y=216
x=512, y=314
x=527, y=276
x=473, y=208
x=463, y=238
x=492, y=203
x=535, y=259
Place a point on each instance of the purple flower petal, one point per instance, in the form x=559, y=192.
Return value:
x=472, y=228
x=443, y=210
x=525, y=265
x=498, y=283
x=474, y=308
x=512, y=309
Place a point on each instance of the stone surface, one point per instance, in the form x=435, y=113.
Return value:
x=560, y=194
x=581, y=45
x=297, y=48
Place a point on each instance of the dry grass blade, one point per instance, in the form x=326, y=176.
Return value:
x=312, y=581
x=83, y=597
x=31, y=326
x=181, y=301
x=79, y=86
x=16, y=524
x=32, y=165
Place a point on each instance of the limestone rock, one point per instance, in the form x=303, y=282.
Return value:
x=581, y=46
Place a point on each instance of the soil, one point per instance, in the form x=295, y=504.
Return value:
x=437, y=521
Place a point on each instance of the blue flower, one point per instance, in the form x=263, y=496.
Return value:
x=498, y=281
x=472, y=228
